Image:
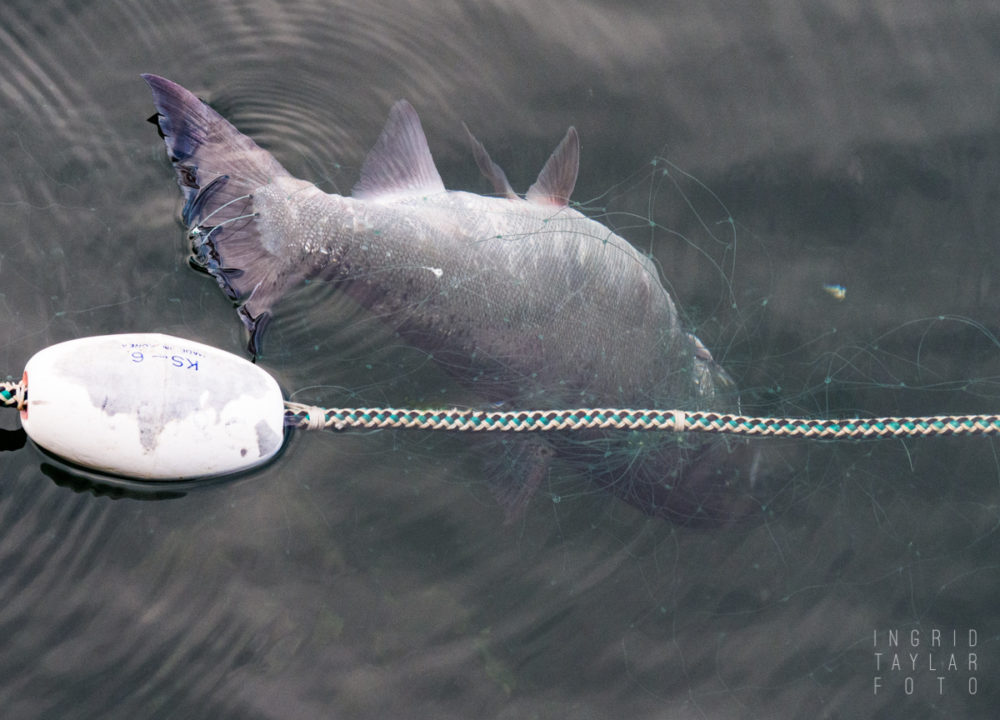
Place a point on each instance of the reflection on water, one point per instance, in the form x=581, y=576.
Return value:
x=371, y=574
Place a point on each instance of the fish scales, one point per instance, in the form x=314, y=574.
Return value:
x=542, y=295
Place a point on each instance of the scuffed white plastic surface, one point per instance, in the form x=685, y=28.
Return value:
x=152, y=406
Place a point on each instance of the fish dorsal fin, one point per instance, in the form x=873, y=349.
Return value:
x=556, y=180
x=400, y=163
x=489, y=169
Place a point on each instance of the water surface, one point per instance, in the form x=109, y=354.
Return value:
x=370, y=575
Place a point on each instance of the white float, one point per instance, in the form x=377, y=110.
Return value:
x=152, y=406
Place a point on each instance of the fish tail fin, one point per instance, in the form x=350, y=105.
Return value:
x=218, y=170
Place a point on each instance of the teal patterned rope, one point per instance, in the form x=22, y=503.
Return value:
x=315, y=418
x=13, y=394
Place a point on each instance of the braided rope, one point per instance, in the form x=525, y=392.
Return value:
x=307, y=416
x=13, y=394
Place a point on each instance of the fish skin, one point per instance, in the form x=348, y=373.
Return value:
x=527, y=301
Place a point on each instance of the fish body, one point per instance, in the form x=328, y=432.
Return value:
x=526, y=300
x=509, y=294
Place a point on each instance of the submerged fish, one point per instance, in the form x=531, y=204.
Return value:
x=526, y=300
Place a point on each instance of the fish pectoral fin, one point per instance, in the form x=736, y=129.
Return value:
x=558, y=178
x=525, y=463
x=490, y=170
x=400, y=163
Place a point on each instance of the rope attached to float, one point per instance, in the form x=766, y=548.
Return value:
x=309, y=417
x=13, y=394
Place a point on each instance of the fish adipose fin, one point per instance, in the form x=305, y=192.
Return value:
x=490, y=170
x=218, y=169
x=558, y=178
x=400, y=164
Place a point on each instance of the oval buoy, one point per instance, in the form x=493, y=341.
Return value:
x=152, y=406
